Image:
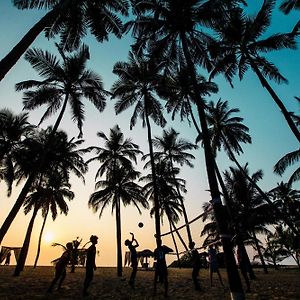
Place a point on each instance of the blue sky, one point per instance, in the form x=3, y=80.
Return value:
x=270, y=134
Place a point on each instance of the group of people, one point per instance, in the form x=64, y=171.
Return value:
x=61, y=265
x=161, y=270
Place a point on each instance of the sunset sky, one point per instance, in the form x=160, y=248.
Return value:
x=271, y=139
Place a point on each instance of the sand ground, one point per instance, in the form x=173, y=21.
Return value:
x=33, y=283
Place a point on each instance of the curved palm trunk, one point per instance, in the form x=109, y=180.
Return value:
x=186, y=220
x=155, y=189
x=279, y=213
x=119, y=238
x=261, y=257
x=235, y=283
x=24, y=251
x=278, y=102
x=175, y=245
x=179, y=236
x=14, y=55
x=20, y=200
x=40, y=239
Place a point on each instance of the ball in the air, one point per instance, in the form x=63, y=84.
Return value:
x=140, y=224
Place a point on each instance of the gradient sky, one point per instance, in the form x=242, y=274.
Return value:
x=271, y=139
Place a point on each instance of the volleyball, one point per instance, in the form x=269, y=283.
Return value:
x=141, y=225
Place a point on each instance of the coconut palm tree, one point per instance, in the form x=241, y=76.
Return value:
x=139, y=79
x=13, y=130
x=173, y=150
x=117, y=152
x=171, y=29
x=288, y=5
x=240, y=46
x=71, y=20
x=118, y=187
x=62, y=158
x=56, y=191
x=66, y=81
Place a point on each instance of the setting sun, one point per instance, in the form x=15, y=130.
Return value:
x=48, y=237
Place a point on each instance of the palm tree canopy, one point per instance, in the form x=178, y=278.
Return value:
x=226, y=131
x=117, y=151
x=13, y=130
x=75, y=18
x=139, y=80
x=288, y=5
x=118, y=186
x=63, y=80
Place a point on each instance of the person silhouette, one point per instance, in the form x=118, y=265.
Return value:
x=213, y=264
x=7, y=259
x=133, y=257
x=242, y=262
x=90, y=264
x=161, y=270
x=196, y=265
x=60, y=267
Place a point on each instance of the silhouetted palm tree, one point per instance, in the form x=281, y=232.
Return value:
x=173, y=150
x=116, y=156
x=240, y=46
x=13, y=130
x=65, y=82
x=61, y=156
x=288, y=5
x=56, y=191
x=139, y=80
x=119, y=187
x=170, y=29
x=71, y=19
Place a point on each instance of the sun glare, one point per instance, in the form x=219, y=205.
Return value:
x=48, y=237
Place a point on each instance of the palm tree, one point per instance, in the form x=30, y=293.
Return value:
x=64, y=82
x=286, y=161
x=116, y=153
x=171, y=29
x=139, y=79
x=71, y=20
x=288, y=5
x=56, y=191
x=118, y=187
x=239, y=47
x=61, y=158
x=13, y=130
x=228, y=132
x=173, y=149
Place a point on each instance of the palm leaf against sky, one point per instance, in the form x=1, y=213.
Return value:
x=13, y=129
x=117, y=151
x=71, y=20
x=66, y=81
x=288, y=5
x=240, y=45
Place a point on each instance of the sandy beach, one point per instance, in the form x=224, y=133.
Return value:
x=33, y=283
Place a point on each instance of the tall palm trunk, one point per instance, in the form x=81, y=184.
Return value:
x=175, y=245
x=32, y=176
x=40, y=239
x=119, y=237
x=279, y=213
x=235, y=283
x=261, y=257
x=179, y=236
x=277, y=100
x=155, y=189
x=24, y=251
x=14, y=55
x=186, y=220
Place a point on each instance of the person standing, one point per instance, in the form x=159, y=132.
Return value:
x=161, y=270
x=90, y=264
x=241, y=258
x=133, y=257
x=213, y=264
x=196, y=265
x=60, y=267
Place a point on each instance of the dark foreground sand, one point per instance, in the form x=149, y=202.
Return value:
x=33, y=283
